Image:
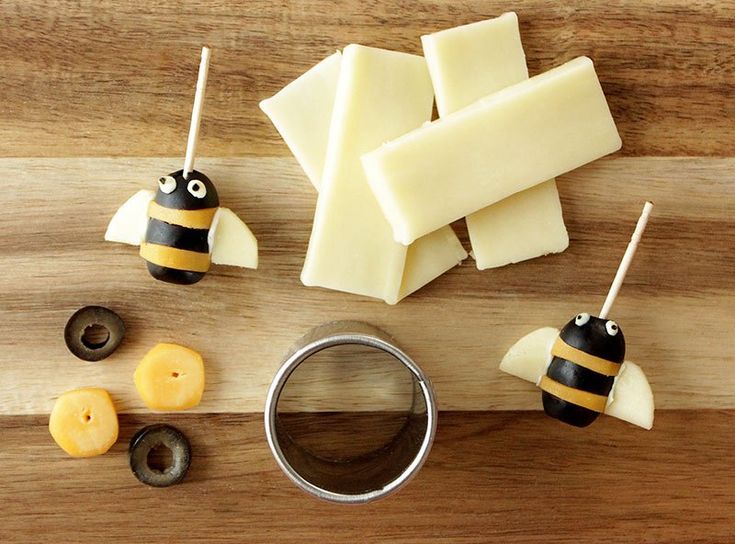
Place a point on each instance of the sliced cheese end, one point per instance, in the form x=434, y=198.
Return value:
x=529, y=357
x=429, y=257
x=302, y=112
x=524, y=226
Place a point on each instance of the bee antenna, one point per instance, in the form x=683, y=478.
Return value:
x=196, y=113
x=627, y=259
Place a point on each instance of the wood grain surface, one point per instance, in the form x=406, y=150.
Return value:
x=511, y=477
x=86, y=80
x=678, y=290
x=116, y=78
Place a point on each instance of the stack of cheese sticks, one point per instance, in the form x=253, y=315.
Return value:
x=391, y=181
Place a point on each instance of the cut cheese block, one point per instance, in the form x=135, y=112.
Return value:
x=380, y=95
x=467, y=63
x=509, y=141
x=301, y=112
x=306, y=129
x=170, y=377
x=83, y=422
x=523, y=226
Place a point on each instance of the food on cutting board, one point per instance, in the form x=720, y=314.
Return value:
x=170, y=377
x=582, y=370
x=625, y=394
x=181, y=229
x=509, y=141
x=83, y=422
x=472, y=162
x=380, y=94
x=302, y=113
x=156, y=437
x=467, y=63
x=93, y=333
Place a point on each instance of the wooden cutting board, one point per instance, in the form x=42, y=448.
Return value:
x=94, y=105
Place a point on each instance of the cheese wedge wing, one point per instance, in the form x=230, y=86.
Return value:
x=130, y=221
x=631, y=398
x=530, y=356
x=231, y=241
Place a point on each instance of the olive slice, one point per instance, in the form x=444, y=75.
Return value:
x=153, y=438
x=93, y=333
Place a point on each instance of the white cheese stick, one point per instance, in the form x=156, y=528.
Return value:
x=301, y=113
x=507, y=142
x=467, y=63
x=380, y=95
x=523, y=226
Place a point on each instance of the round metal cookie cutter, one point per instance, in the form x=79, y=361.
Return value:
x=366, y=477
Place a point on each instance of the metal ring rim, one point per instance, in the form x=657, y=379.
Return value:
x=302, y=354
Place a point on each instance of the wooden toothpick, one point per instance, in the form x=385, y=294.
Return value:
x=196, y=113
x=627, y=259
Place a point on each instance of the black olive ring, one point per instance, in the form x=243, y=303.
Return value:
x=151, y=437
x=75, y=333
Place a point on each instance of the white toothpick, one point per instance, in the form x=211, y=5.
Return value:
x=627, y=259
x=196, y=113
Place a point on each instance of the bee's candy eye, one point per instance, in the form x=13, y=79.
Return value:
x=197, y=188
x=167, y=184
x=612, y=328
x=582, y=319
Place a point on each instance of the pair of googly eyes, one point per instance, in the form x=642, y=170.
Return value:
x=195, y=187
x=610, y=326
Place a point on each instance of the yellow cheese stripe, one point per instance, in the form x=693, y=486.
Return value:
x=593, y=402
x=171, y=257
x=578, y=357
x=193, y=219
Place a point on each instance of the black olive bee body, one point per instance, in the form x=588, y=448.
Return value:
x=176, y=246
x=585, y=360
